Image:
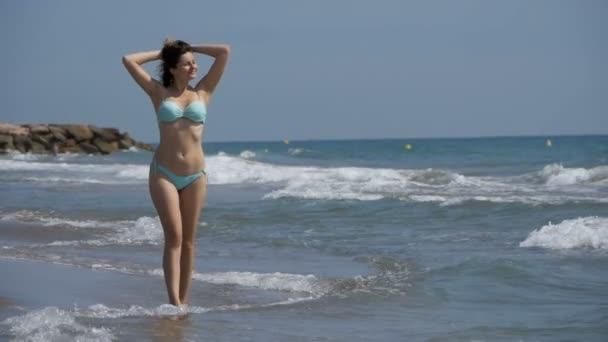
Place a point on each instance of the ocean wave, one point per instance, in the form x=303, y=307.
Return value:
x=143, y=230
x=247, y=154
x=46, y=219
x=550, y=185
x=558, y=175
x=47, y=180
x=390, y=276
x=297, y=151
x=266, y=281
x=451, y=199
x=585, y=232
x=16, y=155
x=63, y=172
x=426, y=185
x=53, y=324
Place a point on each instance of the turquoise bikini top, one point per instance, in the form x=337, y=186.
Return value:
x=169, y=111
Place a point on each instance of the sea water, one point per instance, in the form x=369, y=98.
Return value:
x=480, y=239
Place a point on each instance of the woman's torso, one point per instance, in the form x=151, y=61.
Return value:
x=180, y=146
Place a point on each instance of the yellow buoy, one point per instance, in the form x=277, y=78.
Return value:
x=408, y=147
x=549, y=143
x=285, y=141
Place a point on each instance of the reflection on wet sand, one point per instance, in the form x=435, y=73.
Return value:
x=171, y=328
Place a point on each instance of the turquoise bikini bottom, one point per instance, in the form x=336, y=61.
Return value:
x=179, y=182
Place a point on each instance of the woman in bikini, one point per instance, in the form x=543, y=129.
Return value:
x=177, y=180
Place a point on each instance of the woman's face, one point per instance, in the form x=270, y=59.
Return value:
x=186, y=67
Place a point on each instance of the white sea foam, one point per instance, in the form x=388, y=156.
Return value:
x=267, y=281
x=247, y=154
x=307, y=283
x=143, y=230
x=47, y=180
x=589, y=232
x=551, y=185
x=66, y=156
x=16, y=155
x=116, y=268
x=102, y=311
x=47, y=220
x=558, y=175
x=63, y=172
x=297, y=151
x=53, y=324
x=361, y=183
x=358, y=183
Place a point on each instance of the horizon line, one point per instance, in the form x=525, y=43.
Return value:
x=413, y=138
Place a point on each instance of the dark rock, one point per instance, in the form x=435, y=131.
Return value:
x=125, y=144
x=22, y=143
x=105, y=147
x=144, y=146
x=105, y=133
x=58, y=136
x=39, y=129
x=6, y=143
x=74, y=138
x=70, y=149
x=37, y=147
x=79, y=132
x=13, y=129
x=113, y=130
x=58, y=132
x=6, y=139
x=41, y=140
x=88, y=148
x=69, y=143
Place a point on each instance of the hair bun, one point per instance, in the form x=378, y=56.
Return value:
x=168, y=42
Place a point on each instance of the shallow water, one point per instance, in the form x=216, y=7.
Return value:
x=457, y=239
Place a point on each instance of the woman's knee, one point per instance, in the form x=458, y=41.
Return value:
x=187, y=245
x=173, y=239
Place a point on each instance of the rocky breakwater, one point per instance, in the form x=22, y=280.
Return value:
x=53, y=138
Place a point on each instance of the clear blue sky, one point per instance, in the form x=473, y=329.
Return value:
x=320, y=69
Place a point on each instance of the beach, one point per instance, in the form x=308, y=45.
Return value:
x=468, y=239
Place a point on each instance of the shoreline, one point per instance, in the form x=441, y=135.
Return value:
x=34, y=284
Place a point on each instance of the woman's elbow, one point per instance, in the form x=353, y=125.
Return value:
x=126, y=60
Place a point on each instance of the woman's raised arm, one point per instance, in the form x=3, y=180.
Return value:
x=133, y=64
x=213, y=76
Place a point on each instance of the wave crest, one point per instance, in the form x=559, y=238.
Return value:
x=558, y=175
x=589, y=232
x=53, y=324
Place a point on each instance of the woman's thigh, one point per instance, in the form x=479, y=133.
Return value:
x=191, y=200
x=166, y=201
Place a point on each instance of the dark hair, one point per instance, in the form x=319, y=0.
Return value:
x=170, y=54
